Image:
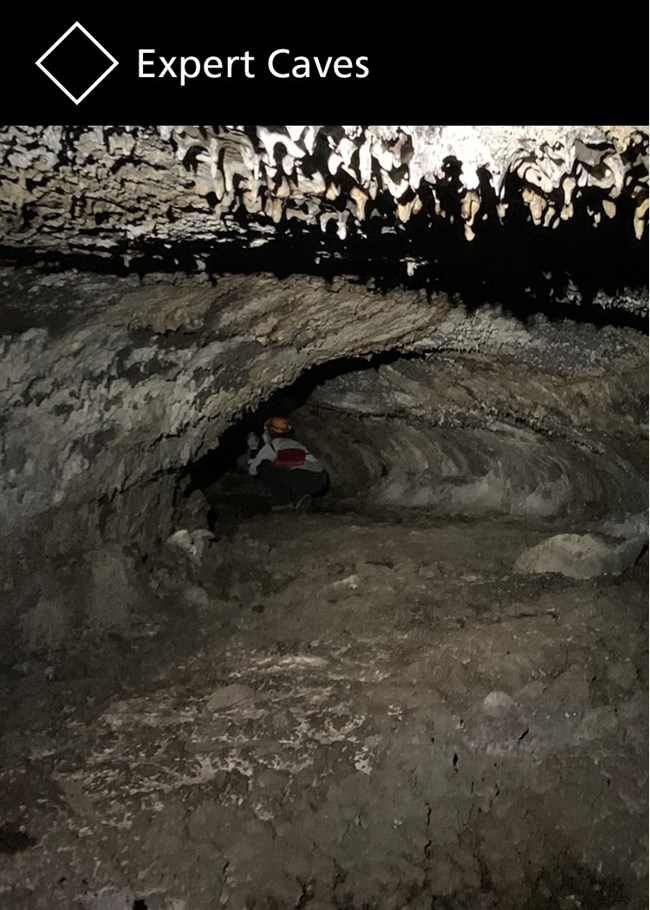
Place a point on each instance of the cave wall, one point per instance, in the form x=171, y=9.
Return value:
x=543, y=419
x=147, y=378
x=161, y=282
x=117, y=387
x=120, y=385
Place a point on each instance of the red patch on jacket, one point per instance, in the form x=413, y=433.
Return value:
x=289, y=458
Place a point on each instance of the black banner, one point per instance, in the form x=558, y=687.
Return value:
x=275, y=63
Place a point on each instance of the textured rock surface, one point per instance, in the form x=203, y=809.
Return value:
x=581, y=555
x=541, y=419
x=363, y=708
x=130, y=382
x=124, y=383
x=363, y=714
x=98, y=189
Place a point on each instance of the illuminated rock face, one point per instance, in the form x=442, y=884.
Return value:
x=133, y=190
x=171, y=279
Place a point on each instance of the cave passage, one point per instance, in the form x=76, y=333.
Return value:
x=222, y=475
x=426, y=692
x=450, y=433
x=416, y=694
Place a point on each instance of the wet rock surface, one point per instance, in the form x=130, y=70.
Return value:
x=338, y=710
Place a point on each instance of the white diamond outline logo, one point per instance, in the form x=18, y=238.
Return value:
x=41, y=66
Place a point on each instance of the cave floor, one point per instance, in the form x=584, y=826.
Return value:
x=338, y=710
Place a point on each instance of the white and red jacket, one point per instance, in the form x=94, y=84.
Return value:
x=285, y=453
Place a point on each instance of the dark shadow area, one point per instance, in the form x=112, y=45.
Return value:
x=511, y=262
x=221, y=474
x=228, y=459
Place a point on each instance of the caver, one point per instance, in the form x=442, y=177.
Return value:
x=289, y=471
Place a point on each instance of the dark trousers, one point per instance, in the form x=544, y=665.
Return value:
x=287, y=485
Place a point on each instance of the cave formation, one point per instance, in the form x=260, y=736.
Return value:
x=430, y=691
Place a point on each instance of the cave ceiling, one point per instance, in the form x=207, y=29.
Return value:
x=436, y=205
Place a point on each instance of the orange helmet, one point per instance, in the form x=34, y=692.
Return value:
x=277, y=425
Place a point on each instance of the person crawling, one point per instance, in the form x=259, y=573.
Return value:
x=291, y=474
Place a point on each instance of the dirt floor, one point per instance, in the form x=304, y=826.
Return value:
x=338, y=710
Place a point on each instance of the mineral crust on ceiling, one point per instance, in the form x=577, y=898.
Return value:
x=106, y=189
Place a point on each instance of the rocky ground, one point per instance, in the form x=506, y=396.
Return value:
x=345, y=709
